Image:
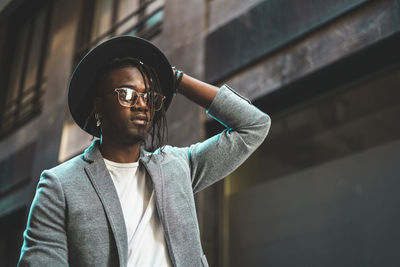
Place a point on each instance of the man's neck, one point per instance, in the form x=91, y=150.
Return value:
x=121, y=153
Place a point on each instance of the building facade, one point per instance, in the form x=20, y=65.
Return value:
x=321, y=191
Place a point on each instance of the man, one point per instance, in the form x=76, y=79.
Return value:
x=118, y=204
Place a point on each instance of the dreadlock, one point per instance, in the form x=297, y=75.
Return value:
x=159, y=128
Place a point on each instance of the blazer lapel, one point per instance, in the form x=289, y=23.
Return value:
x=152, y=165
x=150, y=162
x=101, y=180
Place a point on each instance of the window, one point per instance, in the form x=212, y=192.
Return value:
x=23, y=46
x=103, y=19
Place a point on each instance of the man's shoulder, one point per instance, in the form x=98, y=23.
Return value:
x=70, y=167
x=170, y=151
x=166, y=154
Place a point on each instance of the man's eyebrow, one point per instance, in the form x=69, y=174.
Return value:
x=127, y=86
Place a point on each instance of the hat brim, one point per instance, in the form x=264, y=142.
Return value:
x=80, y=95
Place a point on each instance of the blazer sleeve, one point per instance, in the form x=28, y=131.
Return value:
x=45, y=240
x=245, y=129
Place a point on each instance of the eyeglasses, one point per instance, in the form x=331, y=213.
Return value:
x=128, y=97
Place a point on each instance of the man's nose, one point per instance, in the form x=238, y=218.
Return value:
x=141, y=103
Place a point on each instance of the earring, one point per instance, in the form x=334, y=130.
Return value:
x=97, y=116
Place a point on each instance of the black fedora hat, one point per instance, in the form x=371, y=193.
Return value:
x=80, y=95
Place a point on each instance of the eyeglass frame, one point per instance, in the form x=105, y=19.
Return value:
x=141, y=95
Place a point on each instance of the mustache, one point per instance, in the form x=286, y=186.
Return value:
x=140, y=117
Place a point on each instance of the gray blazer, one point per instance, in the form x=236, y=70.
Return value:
x=76, y=218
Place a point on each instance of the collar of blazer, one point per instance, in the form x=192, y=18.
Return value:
x=92, y=153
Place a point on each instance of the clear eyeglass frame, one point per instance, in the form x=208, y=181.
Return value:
x=128, y=97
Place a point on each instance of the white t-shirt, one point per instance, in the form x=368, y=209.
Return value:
x=146, y=241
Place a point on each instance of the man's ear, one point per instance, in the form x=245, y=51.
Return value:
x=98, y=105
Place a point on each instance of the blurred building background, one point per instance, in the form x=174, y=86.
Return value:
x=324, y=188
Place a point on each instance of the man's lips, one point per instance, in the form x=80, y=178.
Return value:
x=139, y=119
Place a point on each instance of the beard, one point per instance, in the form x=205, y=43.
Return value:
x=127, y=133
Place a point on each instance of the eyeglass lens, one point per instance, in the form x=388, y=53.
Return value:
x=128, y=97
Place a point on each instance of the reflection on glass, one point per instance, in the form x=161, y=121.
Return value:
x=131, y=32
x=155, y=18
x=154, y=6
x=35, y=49
x=18, y=59
x=126, y=8
x=102, y=18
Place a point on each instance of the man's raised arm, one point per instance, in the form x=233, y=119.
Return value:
x=245, y=129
